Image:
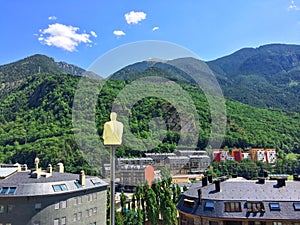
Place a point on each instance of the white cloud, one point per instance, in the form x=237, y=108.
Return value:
x=119, y=33
x=93, y=33
x=63, y=36
x=155, y=28
x=52, y=18
x=134, y=17
x=293, y=6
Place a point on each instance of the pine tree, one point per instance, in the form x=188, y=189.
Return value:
x=133, y=202
x=123, y=203
x=151, y=207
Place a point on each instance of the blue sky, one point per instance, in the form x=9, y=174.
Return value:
x=79, y=32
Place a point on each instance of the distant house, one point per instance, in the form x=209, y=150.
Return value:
x=267, y=155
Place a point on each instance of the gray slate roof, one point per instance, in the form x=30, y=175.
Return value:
x=28, y=186
x=237, y=190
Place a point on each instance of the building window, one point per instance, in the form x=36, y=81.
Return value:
x=63, y=204
x=209, y=205
x=94, y=196
x=59, y=187
x=38, y=206
x=8, y=190
x=75, y=217
x=233, y=207
x=56, y=188
x=4, y=190
x=63, y=221
x=213, y=223
x=56, y=206
x=56, y=222
x=95, y=211
x=11, y=190
x=89, y=198
x=277, y=223
x=297, y=206
x=10, y=208
x=63, y=187
x=274, y=207
x=78, y=200
x=188, y=203
x=79, y=216
x=256, y=223
x=96, y=182
x=78, y=185
x=1, y=208
x=255, y=207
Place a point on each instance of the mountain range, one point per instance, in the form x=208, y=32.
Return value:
x=261, y=86
x=267, y=76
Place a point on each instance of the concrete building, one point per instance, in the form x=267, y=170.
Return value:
x=159, y=159
x=237, y=201
x=189, y=152
x=40, y=197
x=134, y=175
x=198, y=163
x=177, y=164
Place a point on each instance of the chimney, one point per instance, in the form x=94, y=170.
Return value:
x=18, y=166
x=204, y=181
x=36, y=162
x=49, y=169
x=261, y=180
x=82, y=178
x=25, y=167
x=296, y=177
x=210, y=178
x=60, y=167
x=280, y=182
x=218, y=185
x=199, y=196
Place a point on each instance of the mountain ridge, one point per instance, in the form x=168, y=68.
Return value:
x=267, y=76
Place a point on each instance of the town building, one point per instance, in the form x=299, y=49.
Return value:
x=267, y=155
x=130, y=172
x=38, y=197
x=237, y=201
x=177, y=164
x=132, y=176
x=220, y=155
x=159, y=159
x=190, y=152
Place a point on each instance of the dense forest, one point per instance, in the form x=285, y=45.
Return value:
x=36, y=116
x=36, y=119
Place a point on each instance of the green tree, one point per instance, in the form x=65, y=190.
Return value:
x=151, y=207
x=123, y=203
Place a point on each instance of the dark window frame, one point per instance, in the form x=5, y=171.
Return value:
x=233, y=208
x=274, y=206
